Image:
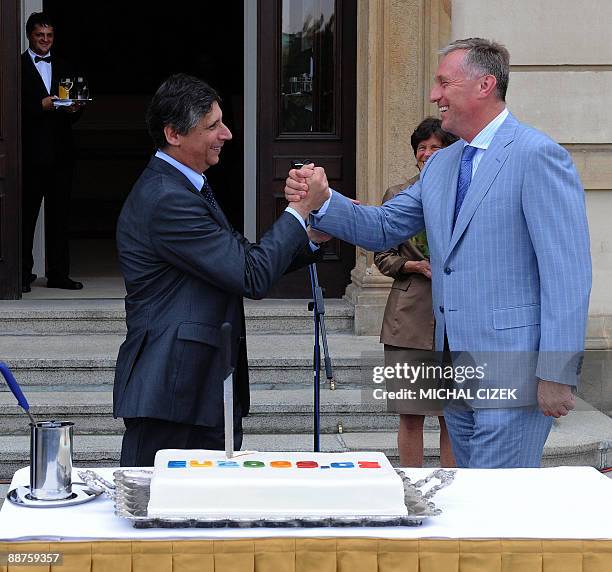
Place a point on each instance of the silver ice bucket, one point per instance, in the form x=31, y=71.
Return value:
x=51, y=460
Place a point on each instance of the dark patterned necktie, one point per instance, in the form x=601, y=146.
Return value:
x=208, y=194
x=465, y=177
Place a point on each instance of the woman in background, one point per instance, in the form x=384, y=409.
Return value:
x=408, y=322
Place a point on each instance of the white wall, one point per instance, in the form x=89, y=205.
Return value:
x=560, y=82
x=540, y=32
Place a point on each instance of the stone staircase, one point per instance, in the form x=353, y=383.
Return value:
x=62, y=352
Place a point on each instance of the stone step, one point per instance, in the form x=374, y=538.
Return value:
x=272, y=411
x=104, y=316
x=271, y=316
x=581, y=438
x=60, y=361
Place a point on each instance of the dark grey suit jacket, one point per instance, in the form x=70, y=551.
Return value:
x=186, y=272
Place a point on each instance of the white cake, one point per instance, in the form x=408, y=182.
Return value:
x=205, y=484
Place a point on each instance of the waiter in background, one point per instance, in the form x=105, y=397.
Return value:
x=48, y=154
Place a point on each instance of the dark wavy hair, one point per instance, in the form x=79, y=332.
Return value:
x=181, y=101
x=39, y=19
x=428, y=127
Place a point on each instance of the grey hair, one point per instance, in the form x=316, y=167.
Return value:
x=484, y=57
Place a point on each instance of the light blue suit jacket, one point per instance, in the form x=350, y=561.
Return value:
x=514, y=276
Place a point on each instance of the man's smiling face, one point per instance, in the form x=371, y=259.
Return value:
x=457, y=95
x=201, y=146
x=41, y=39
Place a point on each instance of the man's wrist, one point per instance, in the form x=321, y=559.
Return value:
x=304, y=212
x=298, y=215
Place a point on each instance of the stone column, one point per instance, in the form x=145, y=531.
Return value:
x=397, y=43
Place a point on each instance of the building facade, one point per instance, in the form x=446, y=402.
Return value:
x=561, y=71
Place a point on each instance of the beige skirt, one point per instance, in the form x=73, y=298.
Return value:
x=410, y=392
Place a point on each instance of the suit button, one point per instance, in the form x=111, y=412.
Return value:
x=447, y=270
x=441, y=309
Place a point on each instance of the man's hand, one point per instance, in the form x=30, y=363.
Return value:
x=421, y=266
x=555, y=399
x=316, y=190
x=74, y=107
x=316, y=236
x=296, y=185
x=47, y=102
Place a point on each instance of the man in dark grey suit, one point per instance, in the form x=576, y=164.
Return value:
x=186, y=272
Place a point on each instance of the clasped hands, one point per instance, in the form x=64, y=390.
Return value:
x=420, y=266
x=307, y=189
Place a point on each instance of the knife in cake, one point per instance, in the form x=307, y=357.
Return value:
x=228, y=387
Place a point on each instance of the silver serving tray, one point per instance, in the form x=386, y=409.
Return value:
x=132, y=488
x=81, y=493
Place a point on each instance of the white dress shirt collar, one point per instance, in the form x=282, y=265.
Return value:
x=484, y=138
x=196, y=179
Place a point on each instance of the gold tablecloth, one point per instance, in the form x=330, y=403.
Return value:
x=321, y=555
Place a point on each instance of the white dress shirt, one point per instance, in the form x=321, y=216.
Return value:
x=484, y=138
x=43, y=68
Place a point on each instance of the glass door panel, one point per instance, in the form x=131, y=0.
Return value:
x=308, y=40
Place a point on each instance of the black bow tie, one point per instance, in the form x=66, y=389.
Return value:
x=39, y=59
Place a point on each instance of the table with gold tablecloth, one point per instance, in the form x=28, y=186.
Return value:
x=522, y=520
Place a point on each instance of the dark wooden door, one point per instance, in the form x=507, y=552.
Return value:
x=10, y=160
x=306, y=110
x=124, y=63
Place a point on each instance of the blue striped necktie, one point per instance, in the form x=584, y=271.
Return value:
x=465, y=178
x=208, y=194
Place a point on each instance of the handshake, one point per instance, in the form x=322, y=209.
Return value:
x=307, y=189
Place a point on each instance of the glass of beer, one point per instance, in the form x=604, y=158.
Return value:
x=65, y=85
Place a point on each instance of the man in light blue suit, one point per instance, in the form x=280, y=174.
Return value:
x=511, y=270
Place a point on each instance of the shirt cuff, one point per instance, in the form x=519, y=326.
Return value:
x=297, y=216
x=316, y=215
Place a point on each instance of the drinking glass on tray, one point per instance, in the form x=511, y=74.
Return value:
x=65, y=85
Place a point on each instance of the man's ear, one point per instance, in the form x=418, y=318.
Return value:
x=172, y=137
x=488, y=83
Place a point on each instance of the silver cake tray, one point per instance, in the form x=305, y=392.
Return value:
x=132, y=488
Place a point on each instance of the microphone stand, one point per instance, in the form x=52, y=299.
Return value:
x=317, y=305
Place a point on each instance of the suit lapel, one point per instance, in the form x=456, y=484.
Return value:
x=34, y=75
x=160, y=165
x=55, y=76
x=490, y=165
x=451, y=195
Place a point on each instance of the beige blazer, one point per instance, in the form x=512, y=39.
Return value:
x=408, y=321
